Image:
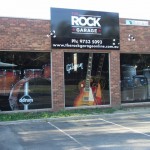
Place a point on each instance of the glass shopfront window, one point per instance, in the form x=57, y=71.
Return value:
x=25, y=80
x=86, y=79
x=135, y=78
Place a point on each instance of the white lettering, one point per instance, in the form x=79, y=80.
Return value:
x=82, y=21
x=74, y=41
x=86, y=30
x=74, y=20
x=85, y=21
x=24, y=100
x=70, y=67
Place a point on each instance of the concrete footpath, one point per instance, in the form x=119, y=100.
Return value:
x=124, y=130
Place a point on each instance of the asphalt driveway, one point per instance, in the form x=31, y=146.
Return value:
x=118, y=131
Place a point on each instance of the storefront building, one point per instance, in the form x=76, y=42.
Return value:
x=36, y=75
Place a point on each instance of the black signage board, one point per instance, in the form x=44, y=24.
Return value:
x=83, y=29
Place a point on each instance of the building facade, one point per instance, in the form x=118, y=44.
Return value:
x=35, y=76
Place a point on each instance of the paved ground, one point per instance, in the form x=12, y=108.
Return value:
x=119, y=131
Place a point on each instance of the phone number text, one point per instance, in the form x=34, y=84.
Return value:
x=83, y=41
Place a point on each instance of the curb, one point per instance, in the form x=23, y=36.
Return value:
x=141, y=111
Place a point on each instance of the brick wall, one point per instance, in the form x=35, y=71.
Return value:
x=24, y=34
x=141, y=35
x=58, y=79
x=115, y=78
x=30, y=35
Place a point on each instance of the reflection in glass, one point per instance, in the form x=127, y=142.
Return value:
x=25, y=76
x=135, y=78
x=86, y=79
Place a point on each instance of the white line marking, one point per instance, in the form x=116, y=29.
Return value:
x=136, y=131
x=68, y=135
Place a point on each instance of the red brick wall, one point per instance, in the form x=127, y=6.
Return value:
x=141, y=35
x=30, y=35
x=115, y=79
x=24, y=34
x=58, y=79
